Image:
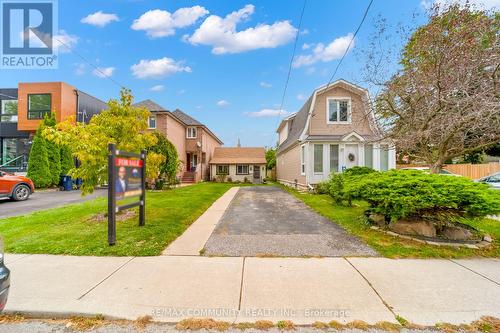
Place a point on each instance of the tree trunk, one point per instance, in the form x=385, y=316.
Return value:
x=436, y=167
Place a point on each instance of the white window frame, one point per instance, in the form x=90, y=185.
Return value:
x=192, y=135
x=349, y=110
x=322, y=158
x=303, y=160
x=152, y=117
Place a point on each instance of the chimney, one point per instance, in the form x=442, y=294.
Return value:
x=239, y=144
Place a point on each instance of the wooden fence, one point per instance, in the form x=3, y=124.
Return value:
x=472, y=171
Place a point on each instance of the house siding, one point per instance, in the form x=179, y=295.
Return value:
x=235, y=177
x=208, y=145
x=176, y=133
x=63, y=101
x=359, y=117
x=288, y=167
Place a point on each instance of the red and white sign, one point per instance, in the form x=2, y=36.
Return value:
x=126, y=162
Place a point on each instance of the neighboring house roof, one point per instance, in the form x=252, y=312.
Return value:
x=182, y=117
x=298, y=122
x=239, y=155
x=150, y=106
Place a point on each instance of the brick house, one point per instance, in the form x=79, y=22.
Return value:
x=195, y=142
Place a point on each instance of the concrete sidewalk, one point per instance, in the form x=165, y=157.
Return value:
x=171, y=288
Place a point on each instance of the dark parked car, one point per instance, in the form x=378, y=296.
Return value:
x=4, y=279
x=17, y=188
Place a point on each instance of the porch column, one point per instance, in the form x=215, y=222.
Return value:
x=376, y=156
x=392, y=157
x=361, y=153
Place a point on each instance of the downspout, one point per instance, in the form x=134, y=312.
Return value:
x=78, y=105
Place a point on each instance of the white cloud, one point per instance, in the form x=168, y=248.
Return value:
x=222, y=103
x=158, y=87
x=103, y=72
x=323, y=53
x=220, y=33
x=159, y=68
x=161, y=23
x=306, y=46
x=99, y=19
x=265, y=84
x=301, y=97
x=267, y=113
x=80, y=69
x=64, y=42
x=480, y=4
x=181, y=91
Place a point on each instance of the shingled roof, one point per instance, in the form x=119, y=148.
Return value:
x=239, y=155
x=150, y=106
x=296, y=125
x=186, y=119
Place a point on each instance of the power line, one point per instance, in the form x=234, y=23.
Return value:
x=90, y=63
x=291, y=63
x=350, y=43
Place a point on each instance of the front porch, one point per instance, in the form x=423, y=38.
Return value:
x=195, y=167
x=321, y=158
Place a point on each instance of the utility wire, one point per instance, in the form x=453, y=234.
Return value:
x=291, y=63
x=350, y=43
x=90, y=63
x=85, y=60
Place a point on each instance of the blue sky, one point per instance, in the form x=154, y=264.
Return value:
x=226, y=71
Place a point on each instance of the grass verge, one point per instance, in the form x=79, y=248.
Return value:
x=71, y=229
x=352, y=219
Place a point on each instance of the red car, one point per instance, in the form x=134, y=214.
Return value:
x=17, y=188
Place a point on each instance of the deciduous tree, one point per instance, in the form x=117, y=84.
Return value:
x=444, y=101
x=121, y=124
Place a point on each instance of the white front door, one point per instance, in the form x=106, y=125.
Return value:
x=351, y=155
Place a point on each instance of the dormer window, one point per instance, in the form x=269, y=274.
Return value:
x=338, y=110
x=191, y=132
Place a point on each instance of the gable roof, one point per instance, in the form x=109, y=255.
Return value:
x=150, y=106
x=186, y=119
x=180, y=116
x=297, y=124
x=239, y=155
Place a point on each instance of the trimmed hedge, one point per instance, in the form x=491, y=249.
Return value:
x=403, y=193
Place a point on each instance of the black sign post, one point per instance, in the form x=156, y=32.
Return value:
x=126, y=178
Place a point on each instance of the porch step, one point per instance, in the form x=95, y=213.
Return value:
x=188, y=177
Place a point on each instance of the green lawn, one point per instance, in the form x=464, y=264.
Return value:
x=352, y=219
x=71, y=229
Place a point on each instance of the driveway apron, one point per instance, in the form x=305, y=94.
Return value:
x=268, y=221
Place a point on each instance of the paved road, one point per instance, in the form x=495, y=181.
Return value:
x=44, y=200
x=268, y=221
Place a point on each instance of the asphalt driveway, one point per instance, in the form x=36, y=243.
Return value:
x=44, y=200
x=268, y=221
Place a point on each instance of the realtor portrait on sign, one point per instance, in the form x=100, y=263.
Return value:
x=128, y=178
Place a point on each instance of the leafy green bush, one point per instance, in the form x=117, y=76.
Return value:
x=163, y=146
x=323, y=187
x=402, y=193
x=357, y=170
x=337, y=189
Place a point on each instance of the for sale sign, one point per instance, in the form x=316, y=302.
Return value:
x=129, y=177
x=126, y=186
